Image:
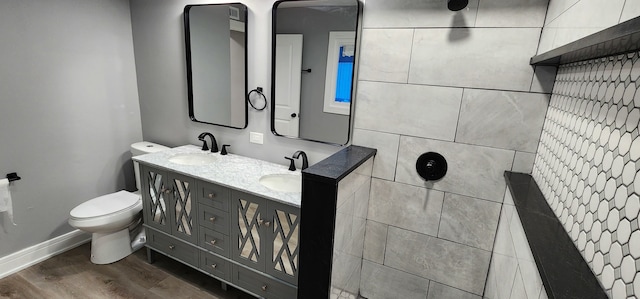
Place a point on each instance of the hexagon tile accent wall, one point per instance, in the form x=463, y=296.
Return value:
x=587, y=165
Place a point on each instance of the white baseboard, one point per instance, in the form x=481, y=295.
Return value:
x=37, y=253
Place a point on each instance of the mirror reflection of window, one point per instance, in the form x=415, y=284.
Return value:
x=340, y=59
x=345, y=73
x=323, y=84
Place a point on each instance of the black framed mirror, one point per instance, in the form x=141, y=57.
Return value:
x=216, y=53
x=314, y=67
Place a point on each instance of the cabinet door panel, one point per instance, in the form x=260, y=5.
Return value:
x=282, y=244
x=155, y=198
x=183, y=209
x=247, y=229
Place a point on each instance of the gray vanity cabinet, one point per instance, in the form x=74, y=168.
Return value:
x=265, y=235
x=242, y=239
x=168, y=203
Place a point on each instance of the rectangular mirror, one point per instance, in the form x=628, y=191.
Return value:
x=313, y=69
x=216, y=40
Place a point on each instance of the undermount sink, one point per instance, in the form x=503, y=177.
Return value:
x=193, y=159
x=282, y=182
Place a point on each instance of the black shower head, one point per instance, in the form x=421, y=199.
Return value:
x=455, y=5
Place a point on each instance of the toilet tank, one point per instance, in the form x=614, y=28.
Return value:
x=141, y=148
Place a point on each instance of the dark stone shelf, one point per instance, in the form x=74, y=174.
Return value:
x=619, y=39
x=564, y=273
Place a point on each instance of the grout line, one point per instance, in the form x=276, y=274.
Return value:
x=413, y=38
x=621, y=11
x=455, y=134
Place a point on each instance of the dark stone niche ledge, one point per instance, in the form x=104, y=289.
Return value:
x=564, y=273
x=618, y=39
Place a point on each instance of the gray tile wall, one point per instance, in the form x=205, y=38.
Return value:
x=587, y=165
x=513, y=273
x=459, y=84
x=348, y=243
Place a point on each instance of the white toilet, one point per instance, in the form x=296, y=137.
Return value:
x=114, y=219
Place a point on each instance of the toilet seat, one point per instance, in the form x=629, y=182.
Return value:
x=106, y=213
x=105, y=205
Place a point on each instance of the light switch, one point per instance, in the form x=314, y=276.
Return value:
x=255, y=137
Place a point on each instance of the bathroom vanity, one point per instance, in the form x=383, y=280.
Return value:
x=211, y=212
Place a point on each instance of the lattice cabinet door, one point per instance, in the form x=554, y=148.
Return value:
x=182, y=210
x=282, y=241
x=155, y=196
x=248, y=222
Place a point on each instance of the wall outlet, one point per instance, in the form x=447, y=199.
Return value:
x=255, y=137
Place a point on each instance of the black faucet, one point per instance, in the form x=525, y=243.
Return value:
x=305, y=161
x=214, y=144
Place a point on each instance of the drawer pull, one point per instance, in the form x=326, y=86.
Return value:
x=213, y=242
x=214, y=266
x=264, y=288
x=212, y=195
x=172, y=247
x=212, y=219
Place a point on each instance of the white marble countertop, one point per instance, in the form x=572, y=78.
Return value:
x=233, y=171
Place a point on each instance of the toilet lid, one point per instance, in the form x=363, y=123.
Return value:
x=105, y=204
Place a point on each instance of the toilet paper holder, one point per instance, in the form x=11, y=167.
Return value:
x=13, y=177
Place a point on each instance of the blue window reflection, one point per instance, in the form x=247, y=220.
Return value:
x=345, y=72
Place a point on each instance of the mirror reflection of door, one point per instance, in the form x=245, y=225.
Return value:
x=329, y=29
x=288, y=75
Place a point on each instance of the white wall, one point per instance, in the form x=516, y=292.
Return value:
x=68, y=110
x=158, y=36
x=570, y=20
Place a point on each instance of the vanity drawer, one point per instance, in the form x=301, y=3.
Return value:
x=214, y=241
x=172, y=247
x=214, y=196
x=214, y=219
x=261, y=285
x=215, y=265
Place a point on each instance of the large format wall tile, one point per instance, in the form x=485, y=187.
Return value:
x=502, y=119
x=543, y=78
x=511, y=13
x=409, y=207
x=385, y=55
x=417, y=110
x=578, y=20
x=375, y=240
x=440, y=291
x=416, y=13
x=476, y=57
x=523, y=162
x=472, y=170
x=631, y=10
x=377, y=279
x=469, y=221
x=446, y=262
x=384, y=165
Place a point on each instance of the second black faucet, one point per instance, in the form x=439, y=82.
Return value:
x=296, y=155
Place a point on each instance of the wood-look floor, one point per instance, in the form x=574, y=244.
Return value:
x=72, y=275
